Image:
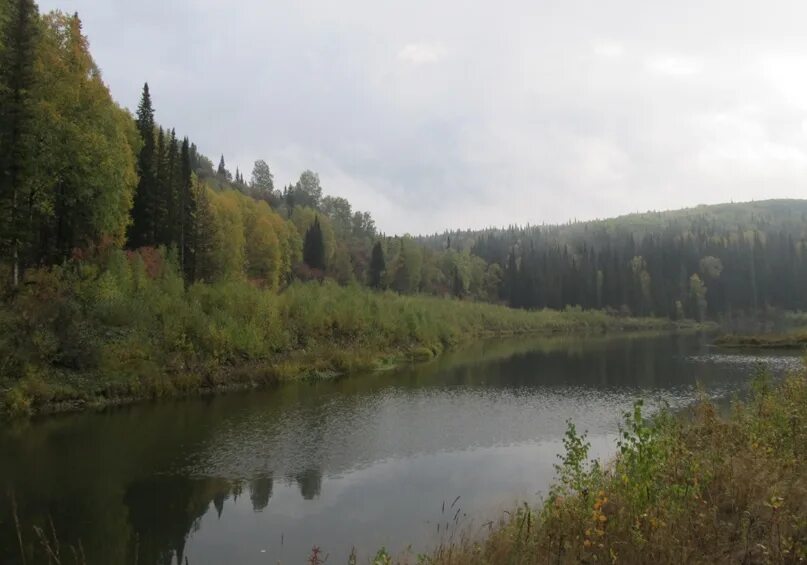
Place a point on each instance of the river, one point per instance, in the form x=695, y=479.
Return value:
x=413, y=455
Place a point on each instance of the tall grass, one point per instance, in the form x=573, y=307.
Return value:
x=129, y=328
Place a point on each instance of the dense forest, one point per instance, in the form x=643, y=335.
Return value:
x=710, y=261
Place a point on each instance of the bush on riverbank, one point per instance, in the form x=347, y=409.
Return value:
x=713, y=490
x=129, y=328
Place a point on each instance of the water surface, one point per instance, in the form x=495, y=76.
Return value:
x=384, y=459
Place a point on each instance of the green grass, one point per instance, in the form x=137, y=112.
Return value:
x=89, y=335
x=708, y=489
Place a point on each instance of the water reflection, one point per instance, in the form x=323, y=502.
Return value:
x=260, y=491
x=249, y=477
x=163, y=510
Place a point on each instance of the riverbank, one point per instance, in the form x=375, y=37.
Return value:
x=705, y=490
x=795, y=340
x=83, y=337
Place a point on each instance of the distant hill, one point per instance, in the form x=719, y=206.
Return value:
x=709, y=261
x=787, y=214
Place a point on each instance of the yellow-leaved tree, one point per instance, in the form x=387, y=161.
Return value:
x=242, y=237
x=82, y=189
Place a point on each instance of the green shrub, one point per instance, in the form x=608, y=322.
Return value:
x=16, y=403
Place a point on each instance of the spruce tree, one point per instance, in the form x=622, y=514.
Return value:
x=194, y=154
x=314, y=247
x=159, y=202
x=222, y=171
x=377, y=265
x=187, y=211
x=173, y=190
x=142, y=228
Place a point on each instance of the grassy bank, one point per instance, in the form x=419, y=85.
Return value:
x=795, y=340
x=88, y=335
x=707, y=490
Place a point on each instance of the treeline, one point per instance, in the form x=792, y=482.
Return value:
x=226, y=227
x=716, y=262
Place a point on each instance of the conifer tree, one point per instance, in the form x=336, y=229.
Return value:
x=222, y=171
x=187, y=210
x=314, y=247
x=170, y=191
x=159, y=202
x=194, y=154
x=20, y=34
x=141, y=229
x=377, y=265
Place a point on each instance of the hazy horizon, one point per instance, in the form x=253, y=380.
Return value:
x=512, y=114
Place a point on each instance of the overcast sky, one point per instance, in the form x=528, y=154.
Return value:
x=460, y=113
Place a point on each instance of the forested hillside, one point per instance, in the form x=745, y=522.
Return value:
x=80, y=176
x=710, y=261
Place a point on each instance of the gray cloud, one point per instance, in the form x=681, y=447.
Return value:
x=468, y=114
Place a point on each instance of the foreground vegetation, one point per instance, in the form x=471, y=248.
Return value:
x=707, y=490
x=125, y=326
